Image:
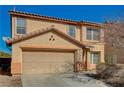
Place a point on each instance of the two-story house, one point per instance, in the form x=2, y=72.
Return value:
x=43, y=44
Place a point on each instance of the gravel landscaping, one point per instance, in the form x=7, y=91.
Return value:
x=112, y=75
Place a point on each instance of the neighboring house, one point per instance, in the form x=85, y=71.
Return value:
x=114, y=43
x=42, y=44
x=113, y=54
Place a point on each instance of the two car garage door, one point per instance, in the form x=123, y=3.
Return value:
x=38, y=62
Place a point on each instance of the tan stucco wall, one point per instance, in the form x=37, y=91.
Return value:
x=35, y=24
x=13, y=26
x=84, y=29
x=41, y=40
x=110, y=51
x=96, y=47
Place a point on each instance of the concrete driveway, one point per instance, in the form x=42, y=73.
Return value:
x=10, y=81
x=60, y=80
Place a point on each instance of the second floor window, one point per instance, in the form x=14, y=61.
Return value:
x=72, y=30
x=93, y=34
x=21, y=26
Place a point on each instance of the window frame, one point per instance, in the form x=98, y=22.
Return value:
x=20, y=26
x=70, y=30
x=93, y=32
x=92, y=57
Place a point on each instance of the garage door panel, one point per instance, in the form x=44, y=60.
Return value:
x=47, y=62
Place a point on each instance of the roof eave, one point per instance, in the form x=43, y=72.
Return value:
x=29, y=15
x=44, y=18
x=30, y=35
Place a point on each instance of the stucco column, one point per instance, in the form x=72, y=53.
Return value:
x=16, y=68
x=16, y=61
x=85, y=59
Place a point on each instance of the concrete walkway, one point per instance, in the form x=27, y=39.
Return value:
x=60, y=80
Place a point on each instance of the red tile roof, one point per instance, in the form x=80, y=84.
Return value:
x=62, y=20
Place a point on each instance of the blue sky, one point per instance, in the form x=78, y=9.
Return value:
x=88, y=13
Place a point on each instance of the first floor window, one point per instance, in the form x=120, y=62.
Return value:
x=95, y=57
x=21, y=26
x=114, y=58
x=111, y=58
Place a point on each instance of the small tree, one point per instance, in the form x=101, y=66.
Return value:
x=114, y=38
x=114, y=33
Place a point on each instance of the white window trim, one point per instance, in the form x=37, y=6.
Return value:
x=92, y=33
x=92, y=57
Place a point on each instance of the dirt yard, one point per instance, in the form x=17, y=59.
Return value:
x=10, y=81
x=112, y=75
